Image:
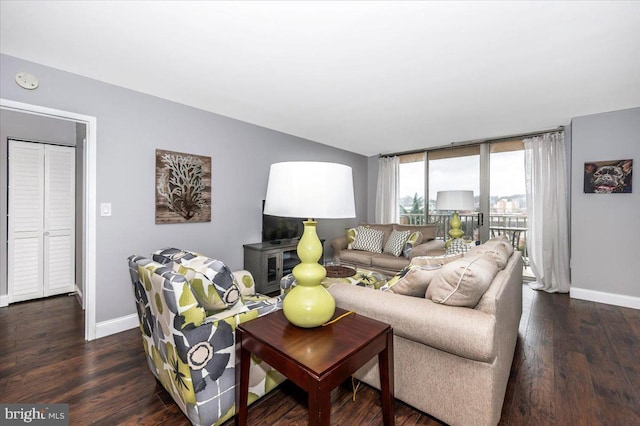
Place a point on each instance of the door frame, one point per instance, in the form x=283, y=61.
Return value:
x=90, y=203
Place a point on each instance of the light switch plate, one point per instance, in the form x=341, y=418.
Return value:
x=105, y=209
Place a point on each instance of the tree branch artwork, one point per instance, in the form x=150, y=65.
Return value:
x=183, y=187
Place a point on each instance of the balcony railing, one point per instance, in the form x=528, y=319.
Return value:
x=514, y=226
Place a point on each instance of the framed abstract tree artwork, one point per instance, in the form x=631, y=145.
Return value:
x=608, y=177
x=183, y=187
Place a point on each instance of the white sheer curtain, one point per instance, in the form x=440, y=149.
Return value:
x=388, y=188
x=547, y=210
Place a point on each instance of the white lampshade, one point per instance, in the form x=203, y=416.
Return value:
x=310, y=189
x=454, y=200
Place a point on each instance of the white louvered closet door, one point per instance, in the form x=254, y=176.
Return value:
x=26, y=227
x=59, y=219
x=41, y=220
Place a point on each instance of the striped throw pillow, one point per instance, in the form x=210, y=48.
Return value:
x=368, y=239
x=395, y=243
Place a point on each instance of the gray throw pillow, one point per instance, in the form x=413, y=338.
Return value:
x=463, y=281
x=368, y=239
x=395, y=243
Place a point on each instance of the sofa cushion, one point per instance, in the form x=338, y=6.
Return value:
x=463, y=281
x=501, y=240
x=499, y=252
x=412, y=241
x=369, y=239
x=356, y=256
x=435, y=260
x=388, y=262
x=467, y=333
x=428, y=248
x=428, y=232
x=412, y=280
x=395, y=243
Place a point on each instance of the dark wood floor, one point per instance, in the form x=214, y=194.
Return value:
x=576, y=363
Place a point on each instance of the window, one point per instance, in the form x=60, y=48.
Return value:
x=507, y=199
x=411, y=189
x=454, y=169
x=493, y=170
x=495, y=173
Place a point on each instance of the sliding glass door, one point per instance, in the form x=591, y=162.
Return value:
x=454, y=169
x=494, y=171
x=411, y=189
x=508, y=201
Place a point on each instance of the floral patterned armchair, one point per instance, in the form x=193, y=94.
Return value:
x=189, y=306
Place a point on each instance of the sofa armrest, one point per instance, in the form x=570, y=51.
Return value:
x=461, y=331
x=429, y=248
x=338, y=243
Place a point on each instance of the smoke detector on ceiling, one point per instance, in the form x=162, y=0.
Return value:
x=27, y=81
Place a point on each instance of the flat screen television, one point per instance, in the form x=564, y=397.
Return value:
x=277, y=228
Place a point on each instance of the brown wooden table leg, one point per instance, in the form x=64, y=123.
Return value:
x=242, y=392
x=385, y=364
x=319, y=406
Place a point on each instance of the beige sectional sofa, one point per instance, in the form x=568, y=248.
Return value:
x=386, y=263
x=451, y=362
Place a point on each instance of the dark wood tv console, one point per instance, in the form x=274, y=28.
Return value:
x=268, y=262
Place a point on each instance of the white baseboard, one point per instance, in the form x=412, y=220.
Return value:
x=608, y=298
x=4, y=300
x=116, y=325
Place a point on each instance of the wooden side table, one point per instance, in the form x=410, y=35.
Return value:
x=317, y=359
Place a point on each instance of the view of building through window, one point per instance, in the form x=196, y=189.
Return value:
x=507, y=199
x=507, y=179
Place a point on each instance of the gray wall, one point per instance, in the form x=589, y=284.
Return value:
x=372, y=187
x=605, y=228
x=130, y=127
x=33, y=128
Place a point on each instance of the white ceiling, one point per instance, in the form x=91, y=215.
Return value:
x=368, y=77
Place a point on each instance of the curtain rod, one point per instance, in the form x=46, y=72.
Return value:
x=476, y=142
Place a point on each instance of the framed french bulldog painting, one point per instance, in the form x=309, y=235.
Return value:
x=608, y=177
